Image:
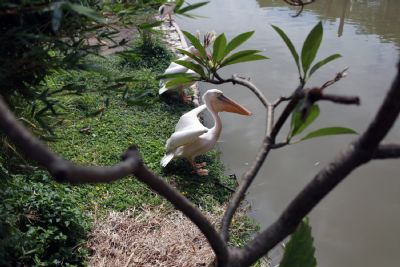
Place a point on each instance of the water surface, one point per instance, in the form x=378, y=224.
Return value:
x=357, y=224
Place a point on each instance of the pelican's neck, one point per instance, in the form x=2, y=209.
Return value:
x=216, y=130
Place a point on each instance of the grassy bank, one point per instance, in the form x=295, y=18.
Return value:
x=44, y=223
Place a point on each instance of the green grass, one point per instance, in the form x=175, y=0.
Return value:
x=121, y=124
x=118, y=106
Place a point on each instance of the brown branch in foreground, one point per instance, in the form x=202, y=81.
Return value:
x=358, y=152
x=184, y=205
x=60, y=169
x=387, y=151
x=249, y=176
x=65, y=171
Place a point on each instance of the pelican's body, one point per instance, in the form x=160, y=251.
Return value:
x=175, y=68
x=191, y=138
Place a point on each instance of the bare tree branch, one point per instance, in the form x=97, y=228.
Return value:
x=183, y=204
x=338, y=99
x=244, y=185
x=387, y=151
x=280, y=100
x=358, y=152
x=65, y=171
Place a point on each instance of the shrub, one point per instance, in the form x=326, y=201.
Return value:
x=41, y=223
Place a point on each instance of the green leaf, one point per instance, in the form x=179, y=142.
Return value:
x=178, y=5
x=247, y=59
x=219, y=48
x=85, y=11
x=180, y=81
x=237, y=41
x=299, y=251
x=311, y=46
x=289, y=44
x=192, y=56
x=192, y=66
x=174, y=75
x=190, y=7
x=149, y=25
x=238, y=55
x=298, y=125
x=328, y=131
x=323, y=62
x=196, y=43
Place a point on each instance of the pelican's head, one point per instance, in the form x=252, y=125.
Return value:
x=215, y=100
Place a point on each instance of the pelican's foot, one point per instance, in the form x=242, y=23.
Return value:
x=202, y=172
x=186, y=99
x=200, y=165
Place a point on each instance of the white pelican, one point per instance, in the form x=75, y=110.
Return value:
x=191, y=138
x=167, y=9
x=174, y=68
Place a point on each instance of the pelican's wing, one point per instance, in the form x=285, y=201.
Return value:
x=190, y=119
x=187, y=130
x=181, y=138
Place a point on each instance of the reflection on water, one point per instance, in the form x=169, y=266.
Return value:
x=380, y=17
x=357, y=224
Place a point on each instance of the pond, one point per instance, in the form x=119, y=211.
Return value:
x=357, y=224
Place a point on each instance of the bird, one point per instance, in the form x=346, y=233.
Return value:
x=167, y=9
x=175, y=68
x=191, y=138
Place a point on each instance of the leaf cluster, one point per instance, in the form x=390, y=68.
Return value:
x=299, y=124
x=308, y=52
x=206, y=63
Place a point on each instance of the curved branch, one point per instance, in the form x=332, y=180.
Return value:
x=62, y=170
x=184, y=205
x=359, y=152
x=65, y=171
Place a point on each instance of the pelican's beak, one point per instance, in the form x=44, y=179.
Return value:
x=229, y=105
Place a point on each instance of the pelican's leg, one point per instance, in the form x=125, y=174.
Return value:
x=170, y=20
x=201, y=164
x=183, y=97
x=198, y=168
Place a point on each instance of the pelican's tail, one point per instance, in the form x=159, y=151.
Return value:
x=166, y=159
x=162, y=90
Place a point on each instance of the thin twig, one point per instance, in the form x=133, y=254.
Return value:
x=340, y=75
x=387, y=151
x=280, y=100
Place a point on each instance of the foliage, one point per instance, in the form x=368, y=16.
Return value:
x=308, y=52
x=299, y=124
x=41, y=223
x=299, y=251
x=206, y=64
x=183, y=11
x=301, y=117
x=154, y=56
x=41, y=37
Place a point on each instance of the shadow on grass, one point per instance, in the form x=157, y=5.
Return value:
x=204, y=191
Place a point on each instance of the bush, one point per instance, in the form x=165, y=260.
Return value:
x=153, y=55
x=41, y=223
